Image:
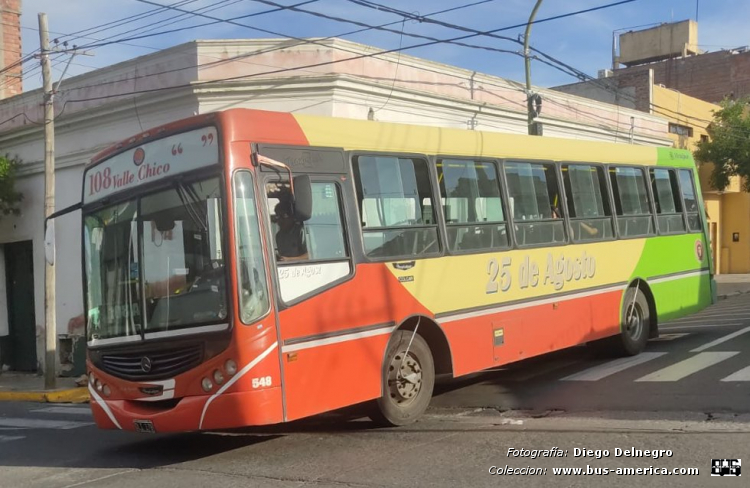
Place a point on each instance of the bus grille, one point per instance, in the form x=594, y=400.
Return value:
x=152, y=365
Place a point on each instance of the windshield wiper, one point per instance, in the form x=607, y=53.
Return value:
x=191, y=201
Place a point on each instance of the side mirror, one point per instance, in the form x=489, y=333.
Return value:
x=302, y=198
x=163, y=224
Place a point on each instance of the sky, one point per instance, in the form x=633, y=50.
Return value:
x=583, y=41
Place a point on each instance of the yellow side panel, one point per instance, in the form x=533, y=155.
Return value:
x=376, y=136
x=460, y=282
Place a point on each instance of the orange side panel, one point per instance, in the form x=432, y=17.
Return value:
x=373, y=296
x=336, y=375
x=328, y=377
x=531, y=331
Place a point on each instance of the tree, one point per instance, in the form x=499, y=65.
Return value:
x=728, y=145
x=9, y=197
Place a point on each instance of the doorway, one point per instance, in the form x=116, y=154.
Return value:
x=20, y=345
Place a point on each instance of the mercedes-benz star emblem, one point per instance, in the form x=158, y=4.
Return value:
x=146, y=364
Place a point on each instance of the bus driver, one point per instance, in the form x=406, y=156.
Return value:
x=290, y=238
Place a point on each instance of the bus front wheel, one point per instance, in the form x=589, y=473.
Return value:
x=408, y=379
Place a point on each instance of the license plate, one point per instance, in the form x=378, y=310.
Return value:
x=144, y=426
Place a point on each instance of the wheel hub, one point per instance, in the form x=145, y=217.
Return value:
x=404, y=378
x=635, y=324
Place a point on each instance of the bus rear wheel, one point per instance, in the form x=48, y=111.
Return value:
x=634, y=329
x=408, y=379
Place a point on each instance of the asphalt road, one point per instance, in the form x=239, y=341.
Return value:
x=689, y=394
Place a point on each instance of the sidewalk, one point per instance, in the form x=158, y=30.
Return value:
x=729, y=285
x=25, y=387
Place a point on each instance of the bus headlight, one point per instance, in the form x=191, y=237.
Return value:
x=230, y=367
x=218, y=377
x=106, y=391
x=206, y=384
x=98, y=385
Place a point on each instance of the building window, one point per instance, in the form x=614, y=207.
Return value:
x=588, y=202
x=681, y=130
x=631, y=202
x=535, y=203
x=395, y=204
x=470, y=193
x=668, y=203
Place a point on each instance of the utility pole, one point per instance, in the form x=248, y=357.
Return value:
x=533, y=101
x=50, y=326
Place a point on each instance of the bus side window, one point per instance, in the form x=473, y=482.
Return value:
x=535, y=202
x=634, y=218
x=319, y=238
x=588, y=202
x=470, y=195
x=668, y=202
x=391, y=193
x=691, y=201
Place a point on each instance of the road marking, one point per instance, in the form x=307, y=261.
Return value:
x=24, y=423
x=669, y=337
x=721, y=340
x=687, y=367
x=66, y=410
x=692, y=321
x=696, y=326
x=741, y=375
x=543, y=369
x=8, y=438
x=735, y=316
x=607, y=369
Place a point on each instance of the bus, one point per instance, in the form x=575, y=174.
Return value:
x=248, y=267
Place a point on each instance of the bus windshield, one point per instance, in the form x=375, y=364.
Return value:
x=156, y=264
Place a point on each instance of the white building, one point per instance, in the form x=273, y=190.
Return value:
x=99, y=108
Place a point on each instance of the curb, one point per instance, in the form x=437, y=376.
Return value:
x=73, y=395
x=732, y=294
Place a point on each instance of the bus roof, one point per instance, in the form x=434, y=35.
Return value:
x=363, y=135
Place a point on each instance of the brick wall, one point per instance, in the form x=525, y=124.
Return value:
x=709, y=77
x=11, y=82
x=630, y=90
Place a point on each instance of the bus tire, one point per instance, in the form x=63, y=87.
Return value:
x=407, y=381
x=634, y=329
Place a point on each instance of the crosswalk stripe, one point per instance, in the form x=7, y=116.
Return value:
x=26, y=423
x=680, y=327
x=719, y=316
x=607, y=369
x=693, y=321
x=741, y=375
x=65, y=410
x=721, y=340
x=687, y=367
x=8, y=438
x=669, y=337
x=540, y=370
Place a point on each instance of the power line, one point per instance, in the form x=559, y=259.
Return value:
x=361, y=56
x=572, y=71
x=241, y=57
x=299, y=67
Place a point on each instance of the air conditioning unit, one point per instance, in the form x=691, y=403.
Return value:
x=605, y=73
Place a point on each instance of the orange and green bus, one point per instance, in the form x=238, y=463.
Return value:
x=248, y=267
